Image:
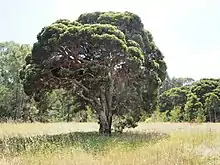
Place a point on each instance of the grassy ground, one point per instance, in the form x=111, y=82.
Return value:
x=148, y=144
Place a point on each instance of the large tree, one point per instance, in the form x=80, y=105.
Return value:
x=107, y=59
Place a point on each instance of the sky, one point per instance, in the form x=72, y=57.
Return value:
x=186, y=31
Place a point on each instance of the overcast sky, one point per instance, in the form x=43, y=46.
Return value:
x=186, y=31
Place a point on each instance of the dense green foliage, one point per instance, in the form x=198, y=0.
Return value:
x=198, y=102
x=15, y=105
x=12, y=96
x=106, y=59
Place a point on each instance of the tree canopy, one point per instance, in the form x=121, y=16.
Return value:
x=107, y=58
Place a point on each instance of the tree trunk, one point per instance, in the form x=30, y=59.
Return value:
x=215, y=118
x=68, y=113
x=25, y=114
x=15, y=104
x=210, y=118
x=105, y=115
x=105, y=124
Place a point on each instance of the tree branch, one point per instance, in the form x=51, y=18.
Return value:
x=85, y=98
x=81, y=85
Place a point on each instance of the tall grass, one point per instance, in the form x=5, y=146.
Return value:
x=35, y=129
x=88, y=142
x=186, y=147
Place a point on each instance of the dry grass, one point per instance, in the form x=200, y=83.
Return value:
x=187, y=144
x=33, y=129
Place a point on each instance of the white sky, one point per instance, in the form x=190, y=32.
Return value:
x=186, y=31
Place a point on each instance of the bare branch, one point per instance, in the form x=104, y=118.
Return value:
x=80, y=85
x=85, y=98
x=75, y=82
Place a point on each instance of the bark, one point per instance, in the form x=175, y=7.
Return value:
x=25, y=114
x=18, y=101
x=210, y=116
x=105, y=124
x=102, y=103
x=68, y=113
x=105, y=112
x=215, y=117
x=16, y=106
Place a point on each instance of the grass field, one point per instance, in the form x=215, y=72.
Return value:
x=78, y=144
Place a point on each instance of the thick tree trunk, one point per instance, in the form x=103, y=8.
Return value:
x=105, y=124
x=105, y=115
x=105, y=112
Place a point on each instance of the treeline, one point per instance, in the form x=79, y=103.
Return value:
x=191, y=102
x=180, y=99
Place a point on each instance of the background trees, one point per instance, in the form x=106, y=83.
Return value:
x=174, y=82
x=12, y=98
x=197, y=102
x=16, y=105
